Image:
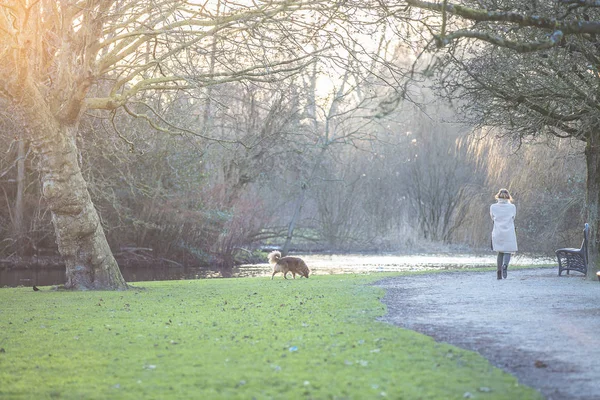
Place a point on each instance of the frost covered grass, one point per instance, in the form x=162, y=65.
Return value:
x=243, y=338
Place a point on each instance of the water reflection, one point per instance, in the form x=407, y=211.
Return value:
x=29, y=277
x=55, y=276
x=320, y=264
x=327, y=264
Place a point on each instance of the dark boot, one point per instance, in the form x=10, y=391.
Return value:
x=504, y=270
x=499, y=274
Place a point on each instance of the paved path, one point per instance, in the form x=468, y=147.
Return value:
x=543, y=329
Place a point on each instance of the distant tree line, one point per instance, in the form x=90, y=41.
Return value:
x=528, y=69
x=194, y=133
x=414, y=182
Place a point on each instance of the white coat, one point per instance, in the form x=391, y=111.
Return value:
x=504, y=237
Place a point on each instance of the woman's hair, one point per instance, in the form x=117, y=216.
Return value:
x=504, y=194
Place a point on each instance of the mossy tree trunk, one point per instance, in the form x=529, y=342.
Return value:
x=80, y=237
x=592, y=155
x=79, y=234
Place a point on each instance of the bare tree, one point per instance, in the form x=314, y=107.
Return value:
x=61, y=59
x=439, y=175
x=539, y=74
x=547, y=180
x=22, y=214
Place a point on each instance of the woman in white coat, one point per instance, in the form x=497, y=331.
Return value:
x=504, y=237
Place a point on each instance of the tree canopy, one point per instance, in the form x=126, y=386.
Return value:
x=537, y=72
x=61, y=60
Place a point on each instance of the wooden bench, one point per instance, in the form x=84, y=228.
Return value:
x=570, y=259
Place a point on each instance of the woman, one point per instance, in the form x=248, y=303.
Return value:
x=504, y=237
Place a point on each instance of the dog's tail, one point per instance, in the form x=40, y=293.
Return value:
x=274, y=256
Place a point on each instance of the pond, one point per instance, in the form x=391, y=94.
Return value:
x=320, y=264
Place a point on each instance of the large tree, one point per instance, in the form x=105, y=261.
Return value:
x=528, y=68
x=61, y=59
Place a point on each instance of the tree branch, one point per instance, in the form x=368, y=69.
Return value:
x=482, y=15
x=521, y=47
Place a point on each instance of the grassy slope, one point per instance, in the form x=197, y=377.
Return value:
x=230, y=338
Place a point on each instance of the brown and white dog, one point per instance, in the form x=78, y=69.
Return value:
x=294, y=265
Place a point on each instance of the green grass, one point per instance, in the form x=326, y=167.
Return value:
x=240, y=338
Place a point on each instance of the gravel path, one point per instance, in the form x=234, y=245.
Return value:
x=543, y=329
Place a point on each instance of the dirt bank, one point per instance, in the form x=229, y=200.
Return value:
x=543, y=329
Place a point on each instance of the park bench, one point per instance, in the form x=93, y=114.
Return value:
x=570, y=259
